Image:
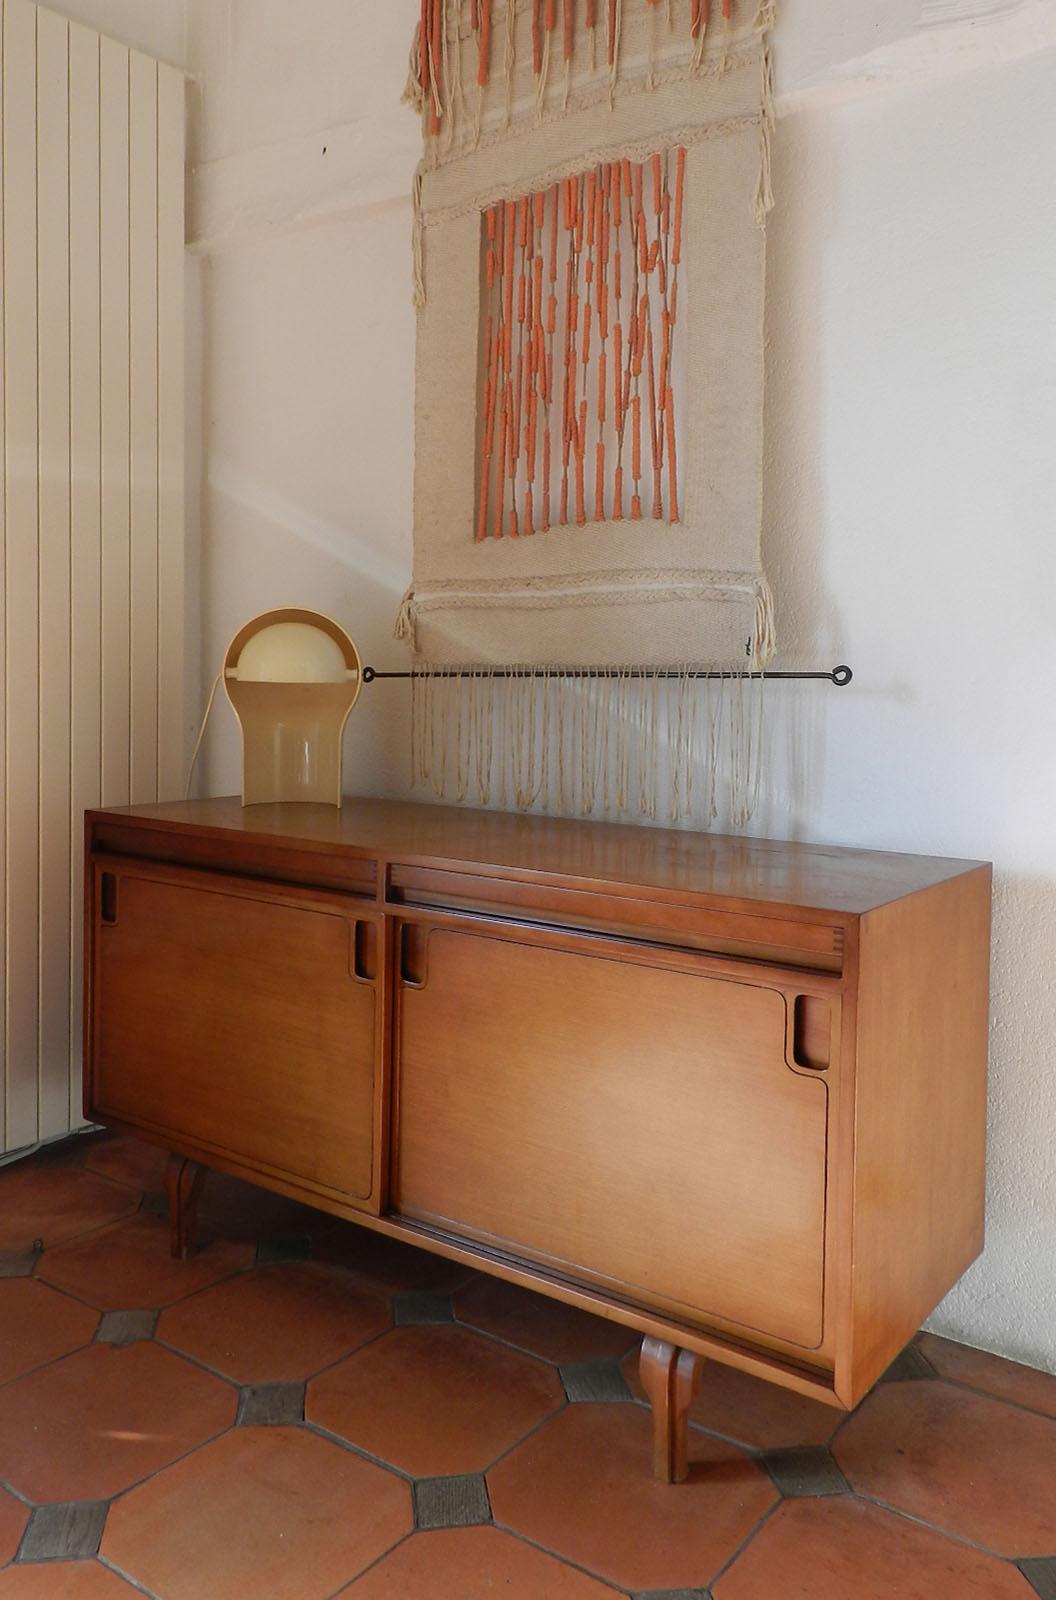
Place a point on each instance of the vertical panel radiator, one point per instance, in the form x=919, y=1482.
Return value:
x=91, y=514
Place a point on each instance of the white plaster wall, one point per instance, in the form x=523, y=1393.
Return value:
x=910, y=478
x=910, y=489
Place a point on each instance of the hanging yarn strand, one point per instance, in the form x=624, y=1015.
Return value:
x=437, y=70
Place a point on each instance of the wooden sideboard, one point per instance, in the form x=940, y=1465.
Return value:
x=727, y=1091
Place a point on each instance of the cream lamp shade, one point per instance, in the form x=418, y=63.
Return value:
x=292, y=678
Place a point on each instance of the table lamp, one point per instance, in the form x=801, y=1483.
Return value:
x=292, y=678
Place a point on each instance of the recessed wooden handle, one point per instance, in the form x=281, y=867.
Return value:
x=365, y=946
x=413, y=944
x=108, y=898
x=812, y=1032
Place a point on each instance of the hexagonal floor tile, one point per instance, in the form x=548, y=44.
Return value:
x=756, y=1413
x=534, y=1322
x=1005, y=1380
x=275, y=1324
x=435, y=1400
x=129, y=1160
x=929, y=1449
x=54, y=1203
x=834, y=1549
x=13, y=1519
x=462, y=1563
x=128, y=1267
x=38, y=1325
x=264, y=1511
x=583, y=1487
x=92, y=1424
x=64, y=1580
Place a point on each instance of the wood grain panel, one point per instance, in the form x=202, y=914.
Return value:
x=85, y=510
x=920, y=1115
x=824, y=883
x=233, y=1015
x=53, y=349
x=638, y=1123
x=22, y=664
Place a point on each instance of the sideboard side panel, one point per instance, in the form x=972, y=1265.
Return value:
x=920, y=1115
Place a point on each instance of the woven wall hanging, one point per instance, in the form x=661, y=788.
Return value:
x=589, y=273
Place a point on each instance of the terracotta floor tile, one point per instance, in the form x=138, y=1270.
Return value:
x=583, y=1487
x=535, y=1322
x=750, y=1410
x=129, y=1267
x=1007, y=1380
x=64, y=1580
x=269, y=1512
x=92, y=1424
x=844, y=1550
x=13, y=1519
x=386, y=1266
x=276, y=1324
x=130, y=1161
x=958, y=1460
x=473, y=1564
x=37, y=1325
x=54, y=1203
x=434, y=1400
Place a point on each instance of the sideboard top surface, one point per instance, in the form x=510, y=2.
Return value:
x=665, y=861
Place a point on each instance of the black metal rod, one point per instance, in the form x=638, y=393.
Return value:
x=839, y=676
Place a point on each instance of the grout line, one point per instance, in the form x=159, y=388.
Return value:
x=742, y=1547
x=346, y=1584
x=565, y=1561
x=931, y=1527
x=564, y=1406
x=356, y=1450
x=156, y=1472
x=111, y=1566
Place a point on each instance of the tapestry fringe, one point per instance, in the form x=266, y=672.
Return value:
x=670, y=747
x=435, y=79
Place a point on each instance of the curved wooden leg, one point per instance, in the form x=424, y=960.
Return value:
x=183, y=1184
x=670, y=1377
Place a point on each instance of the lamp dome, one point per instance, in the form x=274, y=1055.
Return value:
x=291, y=652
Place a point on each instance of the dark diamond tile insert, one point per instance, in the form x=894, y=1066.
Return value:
x=594, y=1381
x=810, y=1470
x=417, y=1308
x=1040, y=1573
x=270, y=1252
x=910, y=1367
x=64, y=1532
x=269, y=1405
x=155, y=1203
x=126, y=1327
x=458, y=1502
x=18, y=1263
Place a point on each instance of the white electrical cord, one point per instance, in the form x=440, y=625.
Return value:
x=201, y=734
